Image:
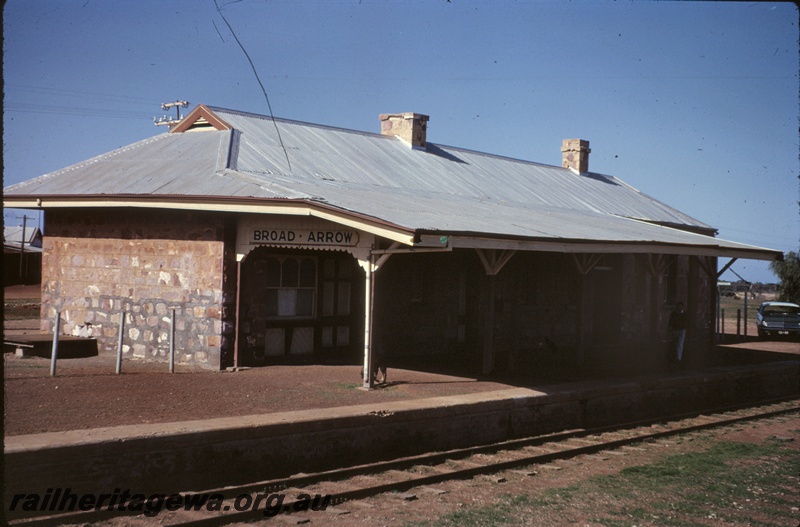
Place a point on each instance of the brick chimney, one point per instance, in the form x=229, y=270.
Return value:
x=575, y=154
x=410, y=127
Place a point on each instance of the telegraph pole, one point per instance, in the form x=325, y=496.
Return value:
x=166, y=106
x=22, y=268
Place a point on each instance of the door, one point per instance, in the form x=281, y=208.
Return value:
x=336, y=305
x=289, y=298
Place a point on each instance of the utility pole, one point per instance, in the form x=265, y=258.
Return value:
x=166, y=106
x=22, y=267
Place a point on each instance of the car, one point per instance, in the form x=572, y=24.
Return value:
x=778, y=318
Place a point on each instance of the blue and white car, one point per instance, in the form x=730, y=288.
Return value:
x=778, y=318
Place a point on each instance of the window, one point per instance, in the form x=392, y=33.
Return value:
x=291, y=287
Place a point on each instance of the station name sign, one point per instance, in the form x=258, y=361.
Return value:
x=303, y=237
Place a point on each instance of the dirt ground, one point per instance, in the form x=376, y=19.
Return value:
x=594, y=491
x=147, y=393
x=86, y=394
x=737, y=476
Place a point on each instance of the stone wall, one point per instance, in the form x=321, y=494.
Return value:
x=100, y=265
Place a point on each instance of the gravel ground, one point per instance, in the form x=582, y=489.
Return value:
x=87, y=394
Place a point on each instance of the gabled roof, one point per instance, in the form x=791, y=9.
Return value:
x=12, y=239
x=201, y=118
x=13, y=235
x=219, y=159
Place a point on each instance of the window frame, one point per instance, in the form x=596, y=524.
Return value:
x=267, y=288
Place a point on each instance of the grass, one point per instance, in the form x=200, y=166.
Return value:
x=730, y=305
x=737, y=483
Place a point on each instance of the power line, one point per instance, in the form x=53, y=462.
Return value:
x=263, y=90
x=52, y=109
x=13, y=88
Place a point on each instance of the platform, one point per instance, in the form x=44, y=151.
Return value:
x=210, y=453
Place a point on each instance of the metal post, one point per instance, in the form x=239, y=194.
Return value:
x=368, y=380
x=722, y=326
x=719, y=300
x=236, y=324
x=172, y=343
x=22, y=246
x=719, y=315
x=119, y=343
x=738, y=322
x=746, y=294
x=54, y=352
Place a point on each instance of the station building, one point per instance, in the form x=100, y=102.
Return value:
x=276, y=241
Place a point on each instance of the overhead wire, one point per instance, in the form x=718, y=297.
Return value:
x=52, y=109
x=263, y=90
x=16, y=94
x=21, y=88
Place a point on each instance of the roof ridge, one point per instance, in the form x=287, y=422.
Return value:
x=242, y=113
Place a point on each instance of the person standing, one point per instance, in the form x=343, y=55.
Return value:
x=677, y=324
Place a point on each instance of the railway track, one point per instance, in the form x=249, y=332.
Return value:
x=259, y=500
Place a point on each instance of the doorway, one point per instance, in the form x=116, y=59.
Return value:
x=298, y=306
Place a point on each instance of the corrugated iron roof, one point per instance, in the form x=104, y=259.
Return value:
x=438, y=189
x=13, y=235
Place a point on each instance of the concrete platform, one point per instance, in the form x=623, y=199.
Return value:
x=195, y=455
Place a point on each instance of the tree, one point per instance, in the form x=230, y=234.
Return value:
x=788, y=271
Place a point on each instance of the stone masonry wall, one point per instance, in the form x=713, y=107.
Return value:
x=100, y=264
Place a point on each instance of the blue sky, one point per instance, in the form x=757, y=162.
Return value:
x=694, y=103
